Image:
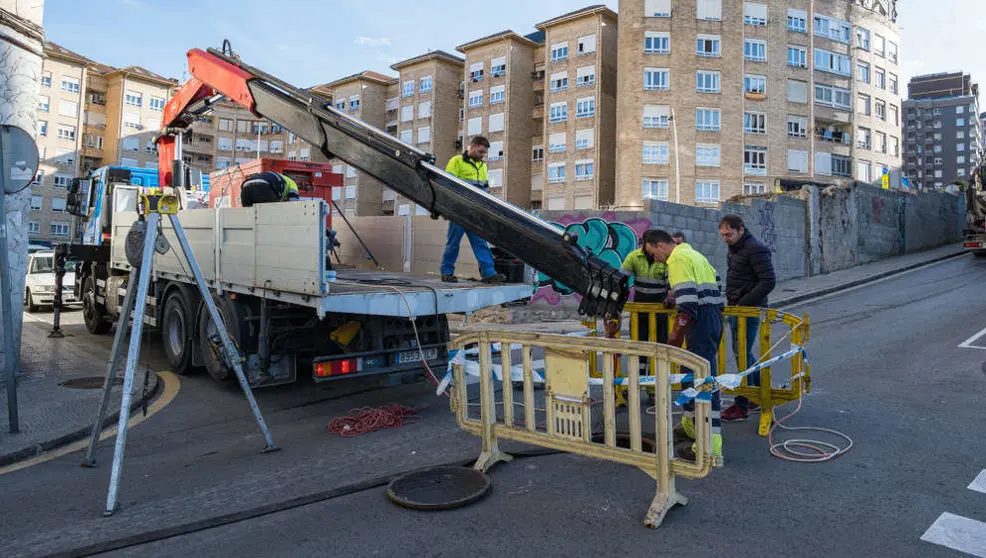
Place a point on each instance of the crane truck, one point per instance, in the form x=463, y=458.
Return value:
x=267, y=266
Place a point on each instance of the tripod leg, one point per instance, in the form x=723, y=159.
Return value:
x=133, y=351
x=232, y=353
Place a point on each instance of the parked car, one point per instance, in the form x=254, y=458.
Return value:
x=39, y=289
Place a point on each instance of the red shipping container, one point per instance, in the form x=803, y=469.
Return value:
x=314, y=180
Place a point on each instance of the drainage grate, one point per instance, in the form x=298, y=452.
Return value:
x=89, y=382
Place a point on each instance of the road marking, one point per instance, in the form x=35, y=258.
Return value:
x=170, y=390
x=979, y=483
x=968, y=343
x=958, y=533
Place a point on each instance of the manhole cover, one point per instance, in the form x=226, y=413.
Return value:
x=89, y=382
x=647, y=442
x=439, y=488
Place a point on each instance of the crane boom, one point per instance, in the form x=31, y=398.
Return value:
x=402, y=167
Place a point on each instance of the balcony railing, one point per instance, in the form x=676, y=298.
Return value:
x=834, y=136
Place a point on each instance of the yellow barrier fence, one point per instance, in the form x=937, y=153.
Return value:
x=568, y=411
x=797, y=334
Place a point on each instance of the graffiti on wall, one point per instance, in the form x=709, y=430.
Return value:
x=605, y=237
x=768, y=234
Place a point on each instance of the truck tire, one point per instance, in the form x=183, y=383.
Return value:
x=29, y=302
x=92, y=314
x=178, y=332
x=234, y=317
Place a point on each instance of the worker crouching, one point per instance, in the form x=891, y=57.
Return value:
x=697, y=293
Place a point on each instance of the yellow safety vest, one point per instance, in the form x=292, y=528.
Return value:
x=694, y=282
x=650, y=277
x=472, y=171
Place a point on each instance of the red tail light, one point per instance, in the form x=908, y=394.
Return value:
x=336, y=367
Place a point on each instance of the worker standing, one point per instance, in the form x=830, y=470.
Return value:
x=698, y=299
x=469, y=166
x=749, y=280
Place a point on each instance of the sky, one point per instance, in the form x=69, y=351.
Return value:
x=308, y=42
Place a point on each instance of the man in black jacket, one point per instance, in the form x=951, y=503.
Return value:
x=749, y=280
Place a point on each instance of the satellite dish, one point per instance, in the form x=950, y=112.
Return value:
x=19, y=158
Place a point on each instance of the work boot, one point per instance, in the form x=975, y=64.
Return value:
x=450, y=279
x=495, y=278
x=734, y=413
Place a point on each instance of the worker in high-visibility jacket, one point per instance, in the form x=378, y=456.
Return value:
x=699, y=302
x=268, y=187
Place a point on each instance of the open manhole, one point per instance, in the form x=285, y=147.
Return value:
x=647, y=443
x=439, y=488
x=89, y=382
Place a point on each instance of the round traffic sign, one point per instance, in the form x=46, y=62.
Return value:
x=19, y=155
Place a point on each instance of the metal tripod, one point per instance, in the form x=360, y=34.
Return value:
x=134, y=304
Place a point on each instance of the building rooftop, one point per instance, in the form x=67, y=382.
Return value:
x=590, y=10
x=54, y=49
x=502, y=35
x=431, y=55
x=368, y=75
x=537, y=37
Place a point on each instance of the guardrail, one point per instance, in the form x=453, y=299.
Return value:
x=569, y=411
x=765, y=395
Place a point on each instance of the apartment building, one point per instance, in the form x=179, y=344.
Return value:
x=425, y=113
x=135, y=100
x=500, y=104
x=364, y=96
x=579, y=106
x=717, y=99
x=942, y=129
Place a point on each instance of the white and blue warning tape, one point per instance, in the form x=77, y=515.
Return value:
x=733, y=381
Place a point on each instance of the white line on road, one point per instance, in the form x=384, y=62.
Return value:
x=979, y=483
x=958, y=533
x=968, y=343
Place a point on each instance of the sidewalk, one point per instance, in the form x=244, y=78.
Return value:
x=787, y=292
x=51, y=413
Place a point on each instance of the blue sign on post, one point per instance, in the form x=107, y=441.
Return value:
x=904, y=182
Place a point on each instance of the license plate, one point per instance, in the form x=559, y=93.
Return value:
x=415, y=355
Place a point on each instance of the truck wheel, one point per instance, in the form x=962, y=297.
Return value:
x=29, y=302
x=233, y=315
x=92, y=314
x=177, y=332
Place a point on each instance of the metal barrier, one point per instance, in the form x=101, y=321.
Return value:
x=765, y=394
x=568, y=407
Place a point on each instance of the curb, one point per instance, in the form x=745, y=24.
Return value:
x=28, y=452
x=857, y=282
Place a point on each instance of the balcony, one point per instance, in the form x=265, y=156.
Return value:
x=538, y=112
x=833, y=135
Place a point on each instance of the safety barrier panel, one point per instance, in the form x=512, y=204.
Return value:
x=568, y=407
x=765, y=395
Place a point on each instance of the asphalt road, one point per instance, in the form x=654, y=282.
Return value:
x=887, y=370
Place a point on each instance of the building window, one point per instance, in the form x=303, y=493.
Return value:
x=407, y=136
x=657, y=43
x=557, y=143
x=755, y=50
x=156, y=103
x=960, y=109
x=864, y=171
x=831, y=28
x=354, y=102
x=880, y=109
x=655, y=189
x=655, y=152
x=841, y=166
x=586, y=45
x=709, y=9
x=751, y=189
x=46, y=79
x=657, y=8
x=863, y=71
x=797, y=57
x=960, y=121
x=407, y=88
x=537, y=153
x=42, y=127
x=585, y=108
x=34, y=227
x=833, y=97
x=797, y=91
x=59, y=229
x=960, y=135
x=407, y=113
x=586, y=76
x=496, y=96
x=584, y=170
x=340, y=105
x=97, y=98
x=755, y=160
x=656, y=116
x=797, y=20
x=426, y=84
x=37, y=202
x=475, y=126
x=424, y=134
x=559, y=82
x=68, y=108
x=44, y=103
x=498, y=67
x=656, y=79
x=880, y=78
x=558, y=112
x=833, y=63
x=134, y=98
x=862, y=38
x=424, y=109
x=797, y=126
x=755, y=13
x=881, y=142
x=706, y=155
x=556, y=172
x=70, y=85
x=66, y=132
x=755, y=85
x=496, y=148
x=476, y=98
x=707, y=191
x=893, y=83
x=863, y=105
x=496, y=122
x=892, y=51
x=797, y=161
x=879, y=45
x=960, y=160
x=864, y=138
x=584, y=139
x=754, y=123
x=707, y=45
x=559, y=52
x=708, y=119
x=707, y=82
x=476, y=72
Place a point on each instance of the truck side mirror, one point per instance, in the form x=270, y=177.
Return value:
x=75, y=200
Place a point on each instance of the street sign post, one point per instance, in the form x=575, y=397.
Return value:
x=18, y=165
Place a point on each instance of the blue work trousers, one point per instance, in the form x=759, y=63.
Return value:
x=479, y=247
